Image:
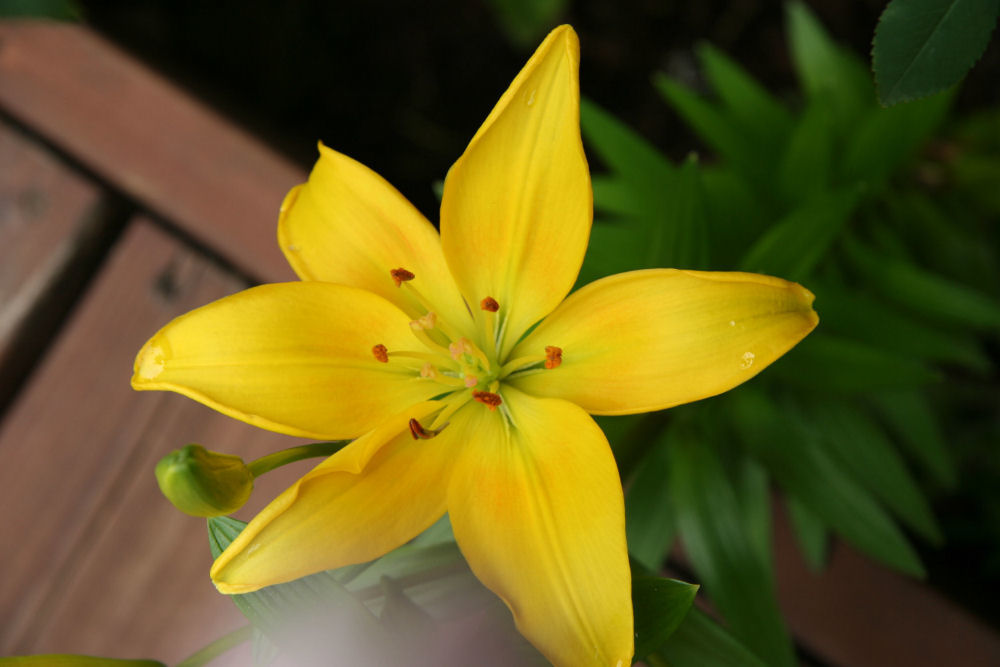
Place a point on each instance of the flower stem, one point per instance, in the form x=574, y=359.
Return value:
x=277, y=459
x=218, y=647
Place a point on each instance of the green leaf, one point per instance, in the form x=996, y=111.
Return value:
x=925, y=292
x=736, y=214
x=700, y=642
x=828, y=73
x=924, y=46
x=614, y=247
x=885, y=138
x=615, y=196
x=863, y=448
x=794, y=245
x=660, y=605
x=754, y=492
x=749, y=105
x=685, y=226
x=649, y=523
x=66, y=660
x=910, y=415
x=626, y=153
x=714, y=127
x=715, y=537
x=810, y=532
x=803, y=467
x=853, y=313
x=833, y=364
x=807, y=162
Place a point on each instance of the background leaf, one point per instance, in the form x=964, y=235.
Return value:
x=924, y=46
x=660, y=606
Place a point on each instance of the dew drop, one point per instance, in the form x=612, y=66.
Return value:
x=732, y=323
x=747, y=360
x=531, y=98
x=253, y=547
x=292, y=247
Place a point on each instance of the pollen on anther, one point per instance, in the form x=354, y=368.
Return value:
x=553, y=356
x=490, y=304
x=400, y=276
x=381, y=353
x=489, y=399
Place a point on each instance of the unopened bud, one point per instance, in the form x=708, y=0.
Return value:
x=203, y=483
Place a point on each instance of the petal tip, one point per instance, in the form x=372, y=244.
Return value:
x=149, y=363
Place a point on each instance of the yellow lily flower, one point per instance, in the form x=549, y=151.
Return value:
x=422, y=345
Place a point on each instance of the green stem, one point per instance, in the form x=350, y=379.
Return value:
x=277, y=459
x=218, y=647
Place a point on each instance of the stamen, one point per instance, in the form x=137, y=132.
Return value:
x=490, y=304
x=488, y=399
x=490, y=307
x=418, y=431
x=400, y=276
x=428, y=321
x=381, y=353
x=465, y=346
x=553, y=356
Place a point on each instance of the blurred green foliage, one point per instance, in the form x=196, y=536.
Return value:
x=888, y=226
x=63, y=10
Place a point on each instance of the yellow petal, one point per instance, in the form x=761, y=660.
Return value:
x=648, y=340
x=348, y=225
x=537, y=510
x=367, y=499
x=292, y=357
x=517, y=205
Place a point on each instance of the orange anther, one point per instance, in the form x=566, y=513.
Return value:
x=400, y=276
x=381, y=353
x=553, y=356
x=490, y=304
x=487, y=398
x=418, y=431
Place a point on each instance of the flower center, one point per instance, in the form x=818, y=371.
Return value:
x=465, y=369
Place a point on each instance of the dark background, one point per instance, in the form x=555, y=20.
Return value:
x=402, y=86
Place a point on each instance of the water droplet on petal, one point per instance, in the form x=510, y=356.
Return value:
x=531, y=98
x=747, y=360
x=292, y=247
x=732, y=323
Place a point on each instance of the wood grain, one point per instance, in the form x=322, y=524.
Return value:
x=93, y=559
x=148, y=139
x=46, y=223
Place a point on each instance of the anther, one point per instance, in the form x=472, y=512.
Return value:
x=418, y=431
x=487, y=398
x=471, y=381
x=490, y=304
x=381, y=353
x=428, y=321
x=400, y=276
x=553, y=356
x=459, y=347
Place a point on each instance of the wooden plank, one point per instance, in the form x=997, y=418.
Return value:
x=93, y=559
x=861, y=614
x=149, y=139
x=47, y=227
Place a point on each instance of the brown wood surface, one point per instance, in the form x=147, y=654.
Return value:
x=94, y=560
x=149, y=139
x=46, y=220
x=857, y=613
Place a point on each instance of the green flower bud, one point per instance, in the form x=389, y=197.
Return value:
x=203, y=483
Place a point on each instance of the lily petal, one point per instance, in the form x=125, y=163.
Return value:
x=367, y=499
x=537, y=511
x=517, y=206
x=290, y=357
x=648, y=340
x=347, y=225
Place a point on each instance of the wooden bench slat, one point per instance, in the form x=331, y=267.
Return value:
x=149, y=139
x=93, y=559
